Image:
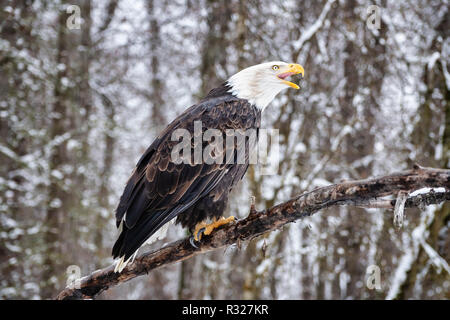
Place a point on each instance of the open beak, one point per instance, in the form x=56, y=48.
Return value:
x=291, y=69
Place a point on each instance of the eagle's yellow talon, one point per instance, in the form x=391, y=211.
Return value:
x=208, y=228
x=198, y=230
x=217, y=223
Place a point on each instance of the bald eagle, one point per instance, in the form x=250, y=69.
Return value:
x=161, y=188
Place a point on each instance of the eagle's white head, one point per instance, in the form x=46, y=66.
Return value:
x=260, y=84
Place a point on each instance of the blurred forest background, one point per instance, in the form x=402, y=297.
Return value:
x=78, y=106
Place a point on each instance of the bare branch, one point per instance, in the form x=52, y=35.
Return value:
x=359, y=193
x=307, y=35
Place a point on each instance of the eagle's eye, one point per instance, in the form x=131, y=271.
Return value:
x=275, y=67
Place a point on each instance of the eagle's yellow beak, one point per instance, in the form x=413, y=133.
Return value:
x=290, y=70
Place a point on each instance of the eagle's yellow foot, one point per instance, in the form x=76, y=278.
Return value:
x=206, y=229
x=199, y=228
x=220, y=222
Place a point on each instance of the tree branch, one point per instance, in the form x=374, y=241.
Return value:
x=365, y=193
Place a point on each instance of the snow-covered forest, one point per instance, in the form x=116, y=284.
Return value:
x=86, y=86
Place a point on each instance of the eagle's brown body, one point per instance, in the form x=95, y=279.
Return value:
x=160, y=190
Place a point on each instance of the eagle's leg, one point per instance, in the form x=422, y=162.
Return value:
x=206, y=229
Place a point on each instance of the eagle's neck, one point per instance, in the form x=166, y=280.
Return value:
x=245, y=86
x=242, y=88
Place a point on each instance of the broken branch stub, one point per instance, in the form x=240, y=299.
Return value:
x=399, y=210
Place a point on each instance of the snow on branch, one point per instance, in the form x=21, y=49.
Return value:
x=362, y=193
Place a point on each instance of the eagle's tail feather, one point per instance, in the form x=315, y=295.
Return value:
x=125, y=253
x=121, y=263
